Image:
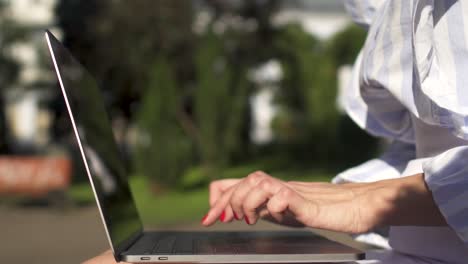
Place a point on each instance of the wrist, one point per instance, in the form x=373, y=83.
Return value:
x=406, y=201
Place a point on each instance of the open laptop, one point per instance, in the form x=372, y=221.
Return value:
x=122, y=224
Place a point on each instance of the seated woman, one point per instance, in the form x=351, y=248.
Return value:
x=410, y=85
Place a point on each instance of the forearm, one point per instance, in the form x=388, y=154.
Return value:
x=406, y=201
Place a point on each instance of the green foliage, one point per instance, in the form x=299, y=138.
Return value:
x=308, y=114
x=309, y=124
x=220, y=102
x=165, y=152
x=210, y=134
x=189, y=93
x=344, y=47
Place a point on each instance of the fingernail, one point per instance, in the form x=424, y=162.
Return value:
x=222, y=216
x=247, y=220
x=204, y=218
x=235, y=216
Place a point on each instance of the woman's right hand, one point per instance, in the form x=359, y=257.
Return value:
x=219, y=187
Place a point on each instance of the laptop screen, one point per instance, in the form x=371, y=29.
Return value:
x=101, y=156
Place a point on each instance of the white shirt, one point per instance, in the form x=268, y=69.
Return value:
x=414, y=66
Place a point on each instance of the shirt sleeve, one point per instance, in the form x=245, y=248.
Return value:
x=415, y=62
x=383, y=116
x=389, y=165
x=362, y=11
x=446, y=176
x=440, y=55
x=441, y=63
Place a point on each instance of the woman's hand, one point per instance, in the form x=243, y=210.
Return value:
x=351, y=208
x=220, y=187
x=259, y=195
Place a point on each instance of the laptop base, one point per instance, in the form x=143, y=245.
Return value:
x=238, y=247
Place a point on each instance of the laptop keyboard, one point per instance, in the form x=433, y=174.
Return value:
x=164, y=245
x=186, y=243
x=173, y=245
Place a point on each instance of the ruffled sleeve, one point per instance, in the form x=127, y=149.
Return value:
x=441, y=62
x=446, y=176
x=440, y=54
x=415, y=64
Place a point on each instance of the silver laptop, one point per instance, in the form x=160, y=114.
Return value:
x=122, y=224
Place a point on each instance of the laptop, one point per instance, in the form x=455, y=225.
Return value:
x=123, y=227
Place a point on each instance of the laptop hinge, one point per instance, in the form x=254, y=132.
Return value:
x=126, y=244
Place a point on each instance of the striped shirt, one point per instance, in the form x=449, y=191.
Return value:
x=414, y=64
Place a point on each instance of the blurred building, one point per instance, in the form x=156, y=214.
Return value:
x=35, y=16
x=323, y=18
x=27, y=121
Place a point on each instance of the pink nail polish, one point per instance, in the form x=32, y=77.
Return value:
x=236, y=216
x=222, y=216
x=204, y=218
x=247, y=220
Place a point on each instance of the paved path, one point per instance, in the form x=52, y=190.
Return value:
x=42, y=235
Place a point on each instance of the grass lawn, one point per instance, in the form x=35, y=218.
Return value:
x=163, y=210
x=177, y=207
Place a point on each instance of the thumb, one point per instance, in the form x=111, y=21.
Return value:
x=289, y=200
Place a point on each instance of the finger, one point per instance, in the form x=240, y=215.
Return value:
x=217, y=188
x=218, y=208
x=263, y=212
x=276, y=208
x=241, y=191
x=257, y=198
x=287, y=199
x=251, y=181
x=227, y=215
x=253, y=203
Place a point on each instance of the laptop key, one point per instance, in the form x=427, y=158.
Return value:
x=184, y=245
x=165, y=245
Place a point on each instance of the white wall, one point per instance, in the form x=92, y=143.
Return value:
x=33, y=12
x=320, y=24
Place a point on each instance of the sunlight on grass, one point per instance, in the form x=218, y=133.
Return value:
x=173, y=207
x=162, y=210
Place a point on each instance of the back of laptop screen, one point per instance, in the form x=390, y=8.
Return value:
x=108, y=174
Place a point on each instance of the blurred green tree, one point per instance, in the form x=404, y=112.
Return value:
x=343, y=49
x=165, y=151
x=220, y=103
x=309, y=124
